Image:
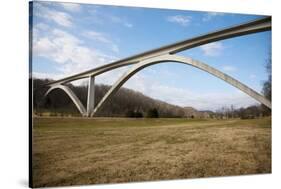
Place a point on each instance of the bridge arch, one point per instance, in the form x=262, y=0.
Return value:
x=184, y=60
x=72, y=96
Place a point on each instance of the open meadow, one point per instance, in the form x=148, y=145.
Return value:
x=76, y=151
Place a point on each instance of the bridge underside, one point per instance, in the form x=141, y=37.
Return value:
x=160, y=55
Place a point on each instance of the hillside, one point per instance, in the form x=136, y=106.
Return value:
x=122, y=104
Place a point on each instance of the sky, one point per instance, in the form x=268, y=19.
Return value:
x=69, y=38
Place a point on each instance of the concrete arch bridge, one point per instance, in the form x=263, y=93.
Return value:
x=163, y=54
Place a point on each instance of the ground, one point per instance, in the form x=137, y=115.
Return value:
x=76, y=151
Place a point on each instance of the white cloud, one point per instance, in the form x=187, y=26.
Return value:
x=210, y=15
x=42, y=75
x=73, y=7
x=212, y=49
x=101, y=37
x=229, y=68
x=69, y=52
x=60, y=18
x=96, y=36
x=101, y=18
x=179, y=19
x=38, y=29
x=119, y=20
x=41, y=26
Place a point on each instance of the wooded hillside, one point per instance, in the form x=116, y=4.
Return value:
x=125, y=103
x=128, y=103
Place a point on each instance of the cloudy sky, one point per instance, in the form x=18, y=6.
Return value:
x=71, y=38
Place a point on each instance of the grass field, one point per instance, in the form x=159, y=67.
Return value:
x=74, y=151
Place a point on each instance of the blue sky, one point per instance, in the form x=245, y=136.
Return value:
x=71, y=38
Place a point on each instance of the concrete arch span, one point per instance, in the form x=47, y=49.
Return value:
x=185, y=60
x=71, y=95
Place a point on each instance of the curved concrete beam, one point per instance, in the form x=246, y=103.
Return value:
x=255, y=26
x=72, y=96
x=184, y=60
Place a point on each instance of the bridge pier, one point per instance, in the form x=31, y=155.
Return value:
x=91, y=96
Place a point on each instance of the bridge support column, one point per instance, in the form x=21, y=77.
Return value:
x=91, y=95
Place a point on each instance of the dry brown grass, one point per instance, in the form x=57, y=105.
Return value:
x=89, y=151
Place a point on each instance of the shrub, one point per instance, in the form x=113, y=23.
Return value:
x=135, y=114
x=152, y=113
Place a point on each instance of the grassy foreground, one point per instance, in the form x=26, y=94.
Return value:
x=76, y=151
